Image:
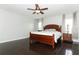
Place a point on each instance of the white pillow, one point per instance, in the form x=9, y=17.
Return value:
x=50, y=30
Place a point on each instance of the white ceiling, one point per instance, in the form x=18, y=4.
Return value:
x=53, y=9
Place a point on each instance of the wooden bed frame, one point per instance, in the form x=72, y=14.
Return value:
x=44, y=38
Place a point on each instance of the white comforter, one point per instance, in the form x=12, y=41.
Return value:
x=49, y=33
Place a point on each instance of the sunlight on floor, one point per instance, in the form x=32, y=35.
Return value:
x=68, y=52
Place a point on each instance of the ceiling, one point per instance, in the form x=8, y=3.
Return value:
x=53, y=9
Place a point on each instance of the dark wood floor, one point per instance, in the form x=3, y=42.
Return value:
x=22, y=47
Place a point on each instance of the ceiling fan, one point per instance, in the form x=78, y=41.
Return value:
x=37, y=9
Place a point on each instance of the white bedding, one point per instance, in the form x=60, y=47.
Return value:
x=49, y=33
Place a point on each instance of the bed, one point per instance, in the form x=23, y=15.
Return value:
x=47, y=36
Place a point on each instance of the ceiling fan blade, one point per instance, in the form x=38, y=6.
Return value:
x=30, y=9
x=41, y=12
x=44, y=9
x=34, y=12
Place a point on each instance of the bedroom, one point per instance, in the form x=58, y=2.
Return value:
x=16, y=23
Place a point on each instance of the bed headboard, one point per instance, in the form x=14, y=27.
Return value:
x=53, y=26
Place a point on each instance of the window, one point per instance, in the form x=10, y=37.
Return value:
x=68, y=25
x=38, y=24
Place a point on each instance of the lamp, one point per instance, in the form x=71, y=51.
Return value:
x=37, y=11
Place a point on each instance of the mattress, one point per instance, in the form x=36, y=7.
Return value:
x=49, y=33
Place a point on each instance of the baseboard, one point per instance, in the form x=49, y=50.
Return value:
x=13, y=39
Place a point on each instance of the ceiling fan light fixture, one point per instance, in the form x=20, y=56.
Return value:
x=37, y=11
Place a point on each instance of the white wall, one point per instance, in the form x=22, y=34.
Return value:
x=53, y=20
x=13, y=26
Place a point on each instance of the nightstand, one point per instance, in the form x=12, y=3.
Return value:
x=67, y=37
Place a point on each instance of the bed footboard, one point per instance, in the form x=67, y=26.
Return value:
x=42, y=39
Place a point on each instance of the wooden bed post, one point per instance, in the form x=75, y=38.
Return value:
x=53, y=45
x=30, y=39
x=53, y=42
